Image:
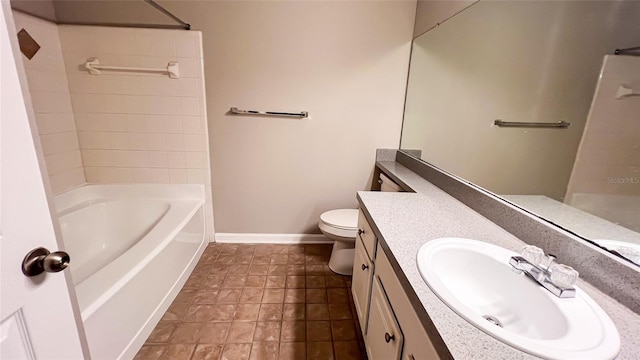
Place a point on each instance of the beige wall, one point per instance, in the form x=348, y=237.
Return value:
x=135, y=127
x=344, y=62
x=431, y=13
x=47, y=80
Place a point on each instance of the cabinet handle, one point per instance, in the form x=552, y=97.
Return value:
x=360, y=231
x=388, y=338
x=364, y=267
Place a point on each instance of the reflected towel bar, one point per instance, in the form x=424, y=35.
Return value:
x=624, y=91
x=302, y=114
x=93, y=66
x=559, y=124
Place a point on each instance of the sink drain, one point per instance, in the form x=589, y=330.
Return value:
x=492, y=319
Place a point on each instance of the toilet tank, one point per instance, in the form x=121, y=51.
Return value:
x=387, y=184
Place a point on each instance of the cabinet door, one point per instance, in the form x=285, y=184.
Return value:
x=417, y=344
x=361, y=284
x=384, y=339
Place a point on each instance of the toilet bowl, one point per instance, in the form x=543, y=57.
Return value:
x=341, y=226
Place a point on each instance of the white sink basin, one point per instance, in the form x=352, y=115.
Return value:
x=475, y=280
x=627, y=249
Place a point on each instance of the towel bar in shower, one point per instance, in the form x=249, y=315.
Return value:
x=559, y=124
x=625, y=91
x=94, y=67
x=235, y=111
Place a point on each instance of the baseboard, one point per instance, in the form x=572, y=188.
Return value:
x=252, y=238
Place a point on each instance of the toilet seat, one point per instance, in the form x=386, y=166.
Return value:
x=341, y=222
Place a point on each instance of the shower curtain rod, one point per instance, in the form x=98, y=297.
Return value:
x=627, y=50
x=168, y=13
x=143, y=26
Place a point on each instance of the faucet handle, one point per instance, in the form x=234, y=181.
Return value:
x=532, y=254
x=563, y=276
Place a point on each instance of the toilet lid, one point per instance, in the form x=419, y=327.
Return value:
x=341, y=218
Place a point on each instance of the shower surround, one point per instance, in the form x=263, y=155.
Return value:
x=119, y=127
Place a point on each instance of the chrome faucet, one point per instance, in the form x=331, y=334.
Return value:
x=541, y=276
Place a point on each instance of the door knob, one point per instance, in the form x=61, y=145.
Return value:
x=40, y=260
x=388, y=337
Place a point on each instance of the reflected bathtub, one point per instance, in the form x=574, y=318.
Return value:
x=132, y=248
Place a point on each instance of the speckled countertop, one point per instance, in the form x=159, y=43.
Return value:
x=405, y=221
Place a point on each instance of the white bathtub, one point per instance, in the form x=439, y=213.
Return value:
x=132, y=248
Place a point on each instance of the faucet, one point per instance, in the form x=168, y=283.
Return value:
x=541, y=276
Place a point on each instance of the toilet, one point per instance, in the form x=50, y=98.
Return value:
x=341, y=226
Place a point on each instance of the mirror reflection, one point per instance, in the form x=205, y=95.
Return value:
x=535, y=64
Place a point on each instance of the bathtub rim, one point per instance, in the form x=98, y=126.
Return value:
x=88, y=192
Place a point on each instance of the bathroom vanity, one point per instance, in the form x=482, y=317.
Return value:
x=400, y=316
x=390, y=326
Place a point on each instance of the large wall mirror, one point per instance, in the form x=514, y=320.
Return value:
x=567, y=146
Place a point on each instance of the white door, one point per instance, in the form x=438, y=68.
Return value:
x=36, y=315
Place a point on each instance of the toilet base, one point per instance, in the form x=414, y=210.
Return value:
x=342, y=254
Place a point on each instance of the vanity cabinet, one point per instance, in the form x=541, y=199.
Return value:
x=390, y=327
x=363, y=271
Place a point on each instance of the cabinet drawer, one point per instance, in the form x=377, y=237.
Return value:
x=384, y=338
x=361, y=284
x=365, y=234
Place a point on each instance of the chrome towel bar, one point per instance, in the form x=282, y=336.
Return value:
x=235, y=111
x=559, y=124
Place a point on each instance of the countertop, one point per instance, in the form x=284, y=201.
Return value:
x=405, y=221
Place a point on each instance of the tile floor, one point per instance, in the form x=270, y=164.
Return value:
x=258, y=302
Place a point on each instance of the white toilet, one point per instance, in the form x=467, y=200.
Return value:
x=341, y=226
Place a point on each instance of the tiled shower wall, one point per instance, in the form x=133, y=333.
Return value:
x=606, y=175
x=139, y=127
x=119, y=127
x=49, y=91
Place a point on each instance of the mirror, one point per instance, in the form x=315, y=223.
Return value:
x=537, y=63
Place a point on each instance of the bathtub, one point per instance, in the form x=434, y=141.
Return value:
x=132, y=248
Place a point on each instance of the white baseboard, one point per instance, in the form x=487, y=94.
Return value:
x=252, y=238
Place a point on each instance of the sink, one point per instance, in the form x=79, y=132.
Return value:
x=627, y=249
x=475, y=280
